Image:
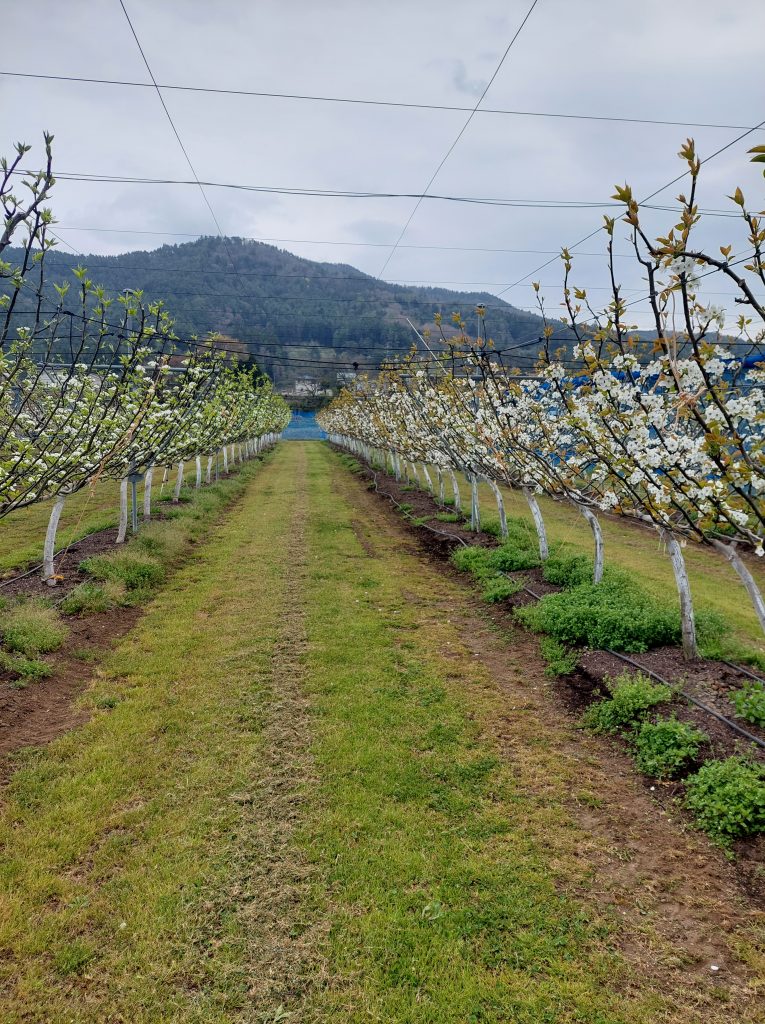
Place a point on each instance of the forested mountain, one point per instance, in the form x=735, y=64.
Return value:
x=296, y=316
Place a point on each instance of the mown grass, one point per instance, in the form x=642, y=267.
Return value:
x=119, y=840
x=134, y=872
x=442, y=872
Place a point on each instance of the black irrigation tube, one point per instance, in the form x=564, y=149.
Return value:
x=61, y=551
x=744, y=671
x=693, y=700
x=441, y=533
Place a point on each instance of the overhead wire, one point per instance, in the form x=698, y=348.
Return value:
x=359, y=101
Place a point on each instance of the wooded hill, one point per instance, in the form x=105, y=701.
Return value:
x=285, y=308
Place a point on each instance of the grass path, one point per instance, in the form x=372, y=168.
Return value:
x=318, y=787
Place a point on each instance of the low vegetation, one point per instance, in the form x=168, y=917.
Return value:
x=561, y=661
x=727, y=799
x=632, y=697
x=749, y=703
x=665, y=748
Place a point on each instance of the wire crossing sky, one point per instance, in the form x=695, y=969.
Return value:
x=321, y=124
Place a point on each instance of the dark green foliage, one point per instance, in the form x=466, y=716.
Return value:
x=131, y=568
x=560, y=661
x=568, y=570
x=632, y=697
x=727, y=799
x=490, y=526
x=311, y=292
x=499, y=588
x=351, y=464
x=473, y=560
x=615, y=613
x=664, y=748
x=749, y=702
x=449, y=517
x=510, y=558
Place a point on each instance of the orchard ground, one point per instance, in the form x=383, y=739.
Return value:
x=317, y=784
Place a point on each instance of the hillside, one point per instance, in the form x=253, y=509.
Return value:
x=297, y=316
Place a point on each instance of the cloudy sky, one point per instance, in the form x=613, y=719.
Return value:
x=685, y=61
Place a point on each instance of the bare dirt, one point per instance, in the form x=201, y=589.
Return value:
x=43, y=710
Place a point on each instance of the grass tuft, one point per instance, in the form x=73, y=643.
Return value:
x=31, y=628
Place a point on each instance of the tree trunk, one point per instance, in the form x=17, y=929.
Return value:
x=441, y=494
x=49, y=572
x=475, y=510
x=198, y=481
x=687, y=619
x=428, y=480
x=455, y=490
x=178, y=483
x=539, y=523
x=729, y=552
x=500, y=506
x=225, y=459
x=208, y=474
x=122, y=529
x=165, y=475
x=597, y=533
x=147, y=493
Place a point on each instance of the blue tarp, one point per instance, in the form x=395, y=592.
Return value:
x=303, y=427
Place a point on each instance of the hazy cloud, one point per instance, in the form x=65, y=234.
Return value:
x=687, y=61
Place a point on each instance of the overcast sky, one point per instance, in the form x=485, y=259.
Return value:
x=679, y=60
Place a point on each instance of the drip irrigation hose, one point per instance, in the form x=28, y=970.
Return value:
x=683, y=693
x=61, y=550
x=743, y=671
x=385, y=494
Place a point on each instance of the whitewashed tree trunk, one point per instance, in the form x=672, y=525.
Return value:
x=441, y=493
x=225, y=459
x=178, y=482
x=475, y=509
x=597, y=533
x=687, y=618
x=208, y=474
x=455, y=490
x=165, y=476
x=415, y=474
x=729, y=552
x=500, y=506
x=428, y=479
x=147, y=480
x=49, y=550
x=122, y=528
x=539, y=523
x=198, y=481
